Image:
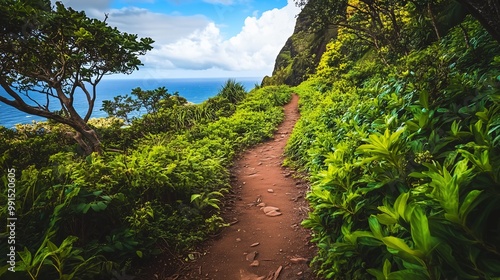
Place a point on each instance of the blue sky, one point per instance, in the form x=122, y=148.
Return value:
x=201, y=38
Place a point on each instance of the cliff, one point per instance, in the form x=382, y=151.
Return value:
x=302, y=51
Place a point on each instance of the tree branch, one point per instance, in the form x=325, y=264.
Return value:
x=19, y=104
x=36, y=102
x=90, y=101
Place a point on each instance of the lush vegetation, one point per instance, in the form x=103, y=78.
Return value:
x=400, y=134
x=53, y=58
x=301, y=53
x=158, y=185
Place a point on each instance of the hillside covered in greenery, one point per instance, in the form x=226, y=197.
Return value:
x=302, y=52
x=98, y=198
x=399, y=135
x=157, y=187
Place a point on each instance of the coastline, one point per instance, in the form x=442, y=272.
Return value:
x=195, y=90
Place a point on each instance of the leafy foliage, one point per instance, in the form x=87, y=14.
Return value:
x=161, y=111
x=73, y=53
x=94, y=217
x=149, y=101
x=401, y=154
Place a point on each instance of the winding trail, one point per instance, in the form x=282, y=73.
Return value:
x=258, y=245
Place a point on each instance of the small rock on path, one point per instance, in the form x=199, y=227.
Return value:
x=279, y=238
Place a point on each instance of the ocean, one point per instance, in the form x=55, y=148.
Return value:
x=195, y=90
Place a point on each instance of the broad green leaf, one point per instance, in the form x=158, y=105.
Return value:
x=420, y=232
x=119, y=245
x=78, y=257
x=47, y=261
x=398, y=244
x=97, y=193
x=99, y=206
x=86, y=208
x=387, y=267
x=353, y=237
x=340, y=247
x=80, y=207
x=375, y=227
x=214, y=204
x=408, y=274
x=150, y=213
x=424, y=99
x=26, y=257
x=401, y=207
x=108, y=249
x=379, y=275
x=386, y=219
x=467, y=204
x=51, y=246
x=195, y=196
x=483, y=115
x=370, y=241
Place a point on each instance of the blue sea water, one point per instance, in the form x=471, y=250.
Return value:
x=195, y=90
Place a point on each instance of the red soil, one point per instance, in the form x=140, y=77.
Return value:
x=280, y=241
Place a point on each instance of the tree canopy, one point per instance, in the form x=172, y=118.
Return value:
x=61, y=54
x=487, y=12
x=374, y=14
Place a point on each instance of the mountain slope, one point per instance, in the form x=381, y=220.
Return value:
x=301, y=53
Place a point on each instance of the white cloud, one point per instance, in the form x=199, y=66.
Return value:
x=190, y=44
x=254, y=49
x=162, y=28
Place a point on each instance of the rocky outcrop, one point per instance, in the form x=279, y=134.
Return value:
x=302, y=51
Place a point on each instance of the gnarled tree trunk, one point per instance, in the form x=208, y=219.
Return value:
x=85, y=135
x=87, y=139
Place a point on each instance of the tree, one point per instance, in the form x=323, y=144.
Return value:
x=60, y=55
x=145, y=101
x=377, y=23
x=487, y=12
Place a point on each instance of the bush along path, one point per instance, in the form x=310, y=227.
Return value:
x=264, y=239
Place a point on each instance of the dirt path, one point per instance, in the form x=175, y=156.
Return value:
x=255, y=246
x=259, y=245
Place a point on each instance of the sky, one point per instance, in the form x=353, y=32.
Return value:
x=201, y=38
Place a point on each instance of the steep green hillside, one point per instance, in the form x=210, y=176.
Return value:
x=302, y=51
x=400, y=135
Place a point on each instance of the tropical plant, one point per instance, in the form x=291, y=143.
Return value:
x=97, y=216
x=402, y=159
x=233, y=91
x=73, y=54
x=142, y=101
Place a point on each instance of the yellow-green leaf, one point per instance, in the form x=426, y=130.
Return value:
x=375, y=227
x=399, y=245
x=386, y=219
x=420, y=232
x=466, y=206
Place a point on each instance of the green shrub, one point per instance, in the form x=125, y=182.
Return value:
x=404, y=166
x=93, y=217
